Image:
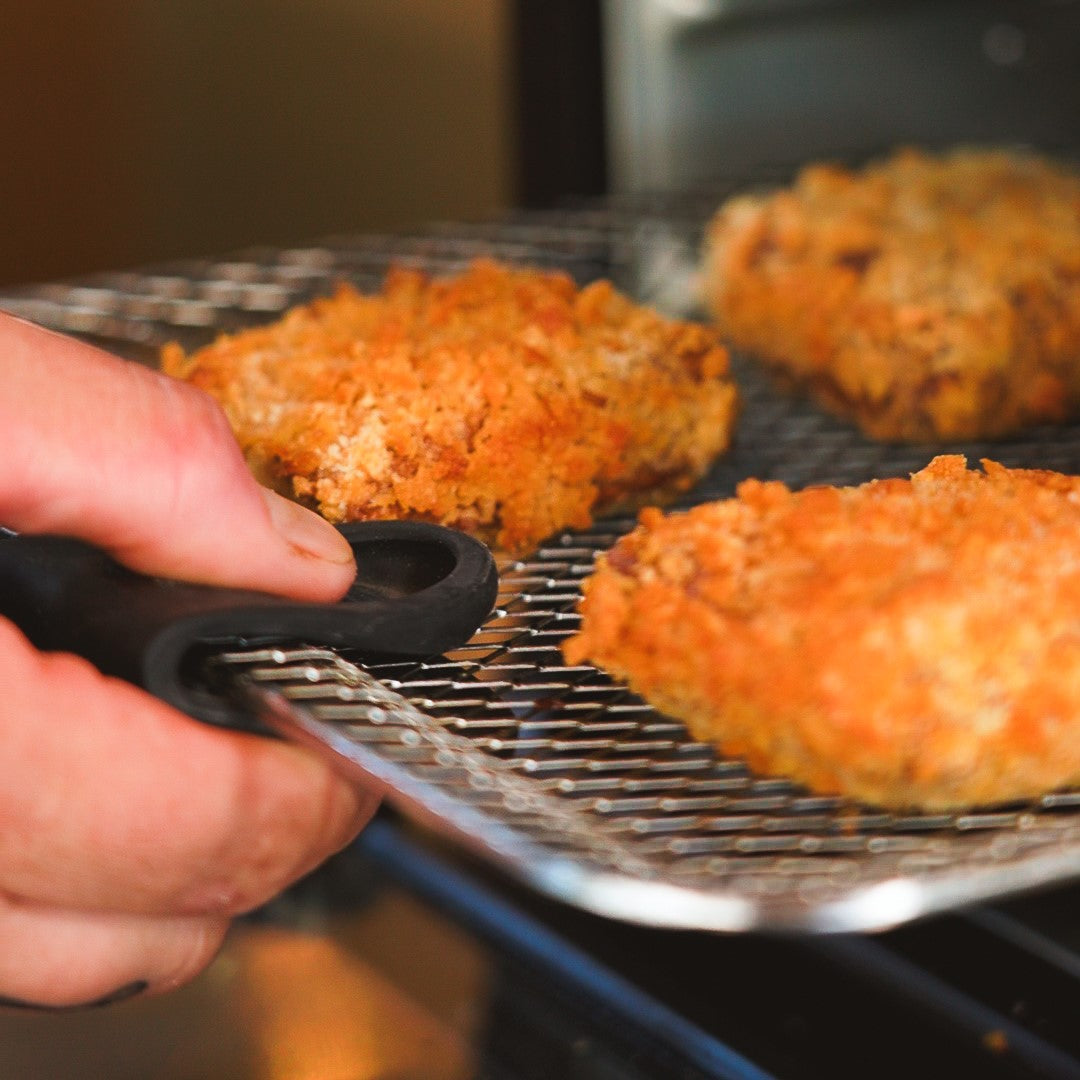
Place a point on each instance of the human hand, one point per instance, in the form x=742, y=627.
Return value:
x=131, y=834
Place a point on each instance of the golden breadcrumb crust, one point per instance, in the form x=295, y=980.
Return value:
x=908, y=643
x=504, y=401
x=924, y=297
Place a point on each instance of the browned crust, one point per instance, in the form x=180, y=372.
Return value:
x=503, y=401
x=924, y=297
x=906, y=643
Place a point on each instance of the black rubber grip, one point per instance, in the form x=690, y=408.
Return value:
x=421, y=590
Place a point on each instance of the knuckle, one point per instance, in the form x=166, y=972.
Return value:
x=279, y=824
x=194, y=425
x=189, y=465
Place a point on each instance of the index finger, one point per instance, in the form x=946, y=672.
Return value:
x=147, y=467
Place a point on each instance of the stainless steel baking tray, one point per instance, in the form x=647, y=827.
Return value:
x=558, y=774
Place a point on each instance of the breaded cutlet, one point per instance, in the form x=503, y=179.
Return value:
x=925, y=297
x=907, y=643
x=506, y=402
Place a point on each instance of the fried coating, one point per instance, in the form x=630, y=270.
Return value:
x=504, y=401
x=923, y=297
x=907, y=643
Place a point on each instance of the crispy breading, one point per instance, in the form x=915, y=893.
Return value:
x=503, y=401
x=924, y=297
x=907, y=643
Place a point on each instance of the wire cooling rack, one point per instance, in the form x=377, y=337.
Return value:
x=557, y=773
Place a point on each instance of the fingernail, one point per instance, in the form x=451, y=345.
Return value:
x=306, y=531
x=130, y=990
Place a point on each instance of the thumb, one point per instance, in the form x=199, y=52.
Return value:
x=146, y=467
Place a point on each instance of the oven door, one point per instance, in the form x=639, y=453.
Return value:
x=700, y=89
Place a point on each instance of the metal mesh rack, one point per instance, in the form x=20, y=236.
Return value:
x=558, y=773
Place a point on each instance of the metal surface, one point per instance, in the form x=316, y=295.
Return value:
x=557, y=773
x=692, y=87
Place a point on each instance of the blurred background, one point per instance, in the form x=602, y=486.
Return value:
x=135, y=130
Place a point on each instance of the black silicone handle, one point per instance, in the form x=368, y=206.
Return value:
x=421, y=590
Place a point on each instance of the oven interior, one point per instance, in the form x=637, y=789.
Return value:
x=535, y=986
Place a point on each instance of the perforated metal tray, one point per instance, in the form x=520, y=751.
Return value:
x=557, y=773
